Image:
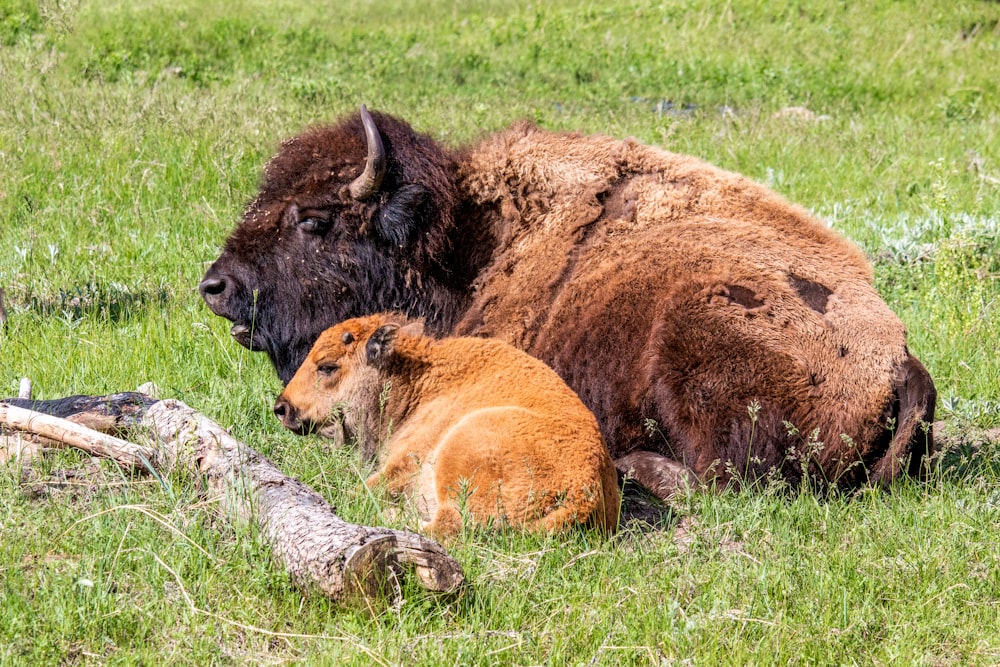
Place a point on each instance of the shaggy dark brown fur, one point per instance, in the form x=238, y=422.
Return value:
x=712, y=327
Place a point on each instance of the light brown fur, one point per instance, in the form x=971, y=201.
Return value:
x=454, y=422
x=703, y=292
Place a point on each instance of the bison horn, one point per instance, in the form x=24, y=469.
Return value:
x=370, y=180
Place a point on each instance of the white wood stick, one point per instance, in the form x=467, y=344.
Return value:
x=127, y=454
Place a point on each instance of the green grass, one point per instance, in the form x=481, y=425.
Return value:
x=131, y=136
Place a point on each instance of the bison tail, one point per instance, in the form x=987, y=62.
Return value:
x=912, y=442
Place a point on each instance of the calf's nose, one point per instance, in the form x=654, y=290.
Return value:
x=287, y=415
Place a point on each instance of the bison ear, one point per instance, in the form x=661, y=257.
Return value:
x=379, y=346
x=397, y=219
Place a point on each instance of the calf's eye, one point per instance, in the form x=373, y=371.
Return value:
x=327, y=369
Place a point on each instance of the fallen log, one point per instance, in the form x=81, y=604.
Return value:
x=320, y=550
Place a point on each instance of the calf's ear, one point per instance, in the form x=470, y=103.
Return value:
x=379, y=346
x=414, y=328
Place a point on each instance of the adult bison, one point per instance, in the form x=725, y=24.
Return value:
x=713, y=328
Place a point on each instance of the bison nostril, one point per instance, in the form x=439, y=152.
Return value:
x=280, y=409
x=212, y=287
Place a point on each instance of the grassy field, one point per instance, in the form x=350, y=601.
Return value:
x=133, y=132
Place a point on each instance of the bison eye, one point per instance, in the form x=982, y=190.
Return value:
x=327, y=369
x=348, y=338
x=312, y=225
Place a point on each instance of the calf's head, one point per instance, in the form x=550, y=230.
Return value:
x=339, y=390
x=350, y=219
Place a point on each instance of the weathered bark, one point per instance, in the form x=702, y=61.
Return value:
x=345, y=561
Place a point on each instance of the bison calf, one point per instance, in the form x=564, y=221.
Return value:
x=458, y=421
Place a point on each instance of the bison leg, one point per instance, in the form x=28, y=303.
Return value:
x=662, y=477
x=913, y=442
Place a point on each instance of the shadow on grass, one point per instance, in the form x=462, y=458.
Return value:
x=113, y=301
x=644, y=511
x=967, y=452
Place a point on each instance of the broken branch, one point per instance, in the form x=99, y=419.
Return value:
x=64, y=432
